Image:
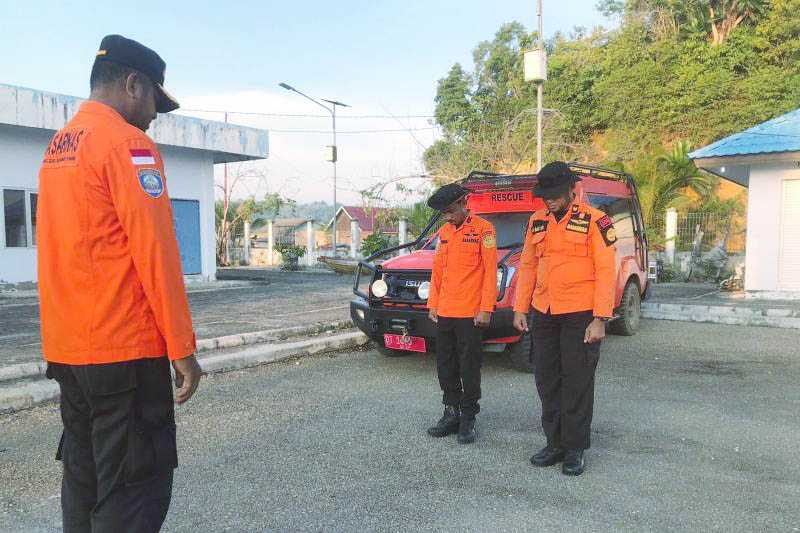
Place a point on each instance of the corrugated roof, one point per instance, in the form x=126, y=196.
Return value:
x=781, y=134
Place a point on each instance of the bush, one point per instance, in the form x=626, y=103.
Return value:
x=290, y=253
x=374, y=243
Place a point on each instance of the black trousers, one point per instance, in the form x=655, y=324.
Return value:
x=565, y=370
x=118, y=447
x=458, y=361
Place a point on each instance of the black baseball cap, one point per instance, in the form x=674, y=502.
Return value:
x=446, y=195
x=137, y=56
x=555, y=179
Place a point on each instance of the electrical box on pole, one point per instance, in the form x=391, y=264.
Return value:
x=330, y=153
x=535, y=62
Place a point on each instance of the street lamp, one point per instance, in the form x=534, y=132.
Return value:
x=332, y=155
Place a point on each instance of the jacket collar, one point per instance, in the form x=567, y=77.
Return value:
x=98, y=108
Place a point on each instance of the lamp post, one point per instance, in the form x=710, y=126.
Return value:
x=332, y=154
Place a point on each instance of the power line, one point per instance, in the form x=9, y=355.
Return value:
x=290, y=115
x=328, y=132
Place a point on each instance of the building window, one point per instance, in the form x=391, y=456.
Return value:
x=34, y=199
x=15, y=218
x=19, y=217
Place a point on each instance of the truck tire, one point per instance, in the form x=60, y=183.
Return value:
x=388, y=352
x=520, y=354
x=630, y=311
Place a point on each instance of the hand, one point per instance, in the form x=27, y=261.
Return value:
x=187, y=377
x=433, y=316
x=482, y=319
x=595, y=332
x=521, y=321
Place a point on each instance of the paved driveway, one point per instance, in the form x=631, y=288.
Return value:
x=288, y=299
x=696, y=429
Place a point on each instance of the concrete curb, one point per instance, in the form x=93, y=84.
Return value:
x=37, y=369
x=259, y=355
x=785, y=318
x=30, y=394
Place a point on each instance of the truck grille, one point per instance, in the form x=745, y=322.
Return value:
x=404, y=286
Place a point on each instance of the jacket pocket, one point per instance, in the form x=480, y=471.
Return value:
x=576, y=243
x=469, y=258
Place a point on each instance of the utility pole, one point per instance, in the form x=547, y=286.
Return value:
x=225, y=206
x=539, y=93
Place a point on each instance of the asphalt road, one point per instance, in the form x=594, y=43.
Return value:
x=289, y=299
x=696, y=429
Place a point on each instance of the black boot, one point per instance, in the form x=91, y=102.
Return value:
x=548, y=456
x=573, y=463
x=448, y=424
x=466, y=429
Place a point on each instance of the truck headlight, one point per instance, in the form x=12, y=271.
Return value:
x=424, y=290
x=379, y=288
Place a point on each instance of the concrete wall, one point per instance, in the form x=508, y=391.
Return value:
x=21, y=151
x=764, y=224
x=189, y=177
x=30, y=108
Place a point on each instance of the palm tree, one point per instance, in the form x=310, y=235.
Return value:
x=663, y=181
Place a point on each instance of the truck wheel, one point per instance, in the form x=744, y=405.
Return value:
x=388, y=352
x=630, y=312
x=520, y=354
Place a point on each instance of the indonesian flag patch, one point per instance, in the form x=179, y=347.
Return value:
x=142, y=156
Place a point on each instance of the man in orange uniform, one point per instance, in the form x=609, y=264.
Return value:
x=113, y=304
x=567, y=275
x=461, y=301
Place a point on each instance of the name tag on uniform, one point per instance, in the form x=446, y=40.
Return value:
x=579, y=223
x=539, y=226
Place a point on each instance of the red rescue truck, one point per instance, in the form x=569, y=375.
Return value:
x=391, y=296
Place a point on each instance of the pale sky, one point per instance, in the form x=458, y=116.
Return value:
x=383, y=57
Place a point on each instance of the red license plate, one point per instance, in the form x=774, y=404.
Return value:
x=401, y=342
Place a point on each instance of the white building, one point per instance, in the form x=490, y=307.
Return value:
x=190, y=148
x=766, y=160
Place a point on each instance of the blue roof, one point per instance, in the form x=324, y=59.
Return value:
x=781, y=134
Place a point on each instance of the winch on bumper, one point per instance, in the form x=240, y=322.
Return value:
x=376, y=320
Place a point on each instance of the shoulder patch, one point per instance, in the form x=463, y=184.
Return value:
x=538, y=226
x=488, y=241
x=151, y=182
x=607, y=230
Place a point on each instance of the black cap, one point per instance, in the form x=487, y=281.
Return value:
x=137, y=56
x=555, y=179
x=446, y=195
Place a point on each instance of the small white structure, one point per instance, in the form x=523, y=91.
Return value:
x=766, y=160
x=190, y=148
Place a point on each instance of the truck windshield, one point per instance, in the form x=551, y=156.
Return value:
x=510, y=228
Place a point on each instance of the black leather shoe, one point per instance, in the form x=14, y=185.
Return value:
x=548, y=456
x=466, y=429
x=574, y=463
x=447, y=425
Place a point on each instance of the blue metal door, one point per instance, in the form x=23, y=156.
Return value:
x=186, y=214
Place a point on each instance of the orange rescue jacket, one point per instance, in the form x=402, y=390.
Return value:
x=464, y=278
x=568, y=266
x=110, y=280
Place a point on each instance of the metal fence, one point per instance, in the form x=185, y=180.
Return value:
x=710, y=228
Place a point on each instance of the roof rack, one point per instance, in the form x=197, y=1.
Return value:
x=481, y=174
x=590, y=170
x=597, y=172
